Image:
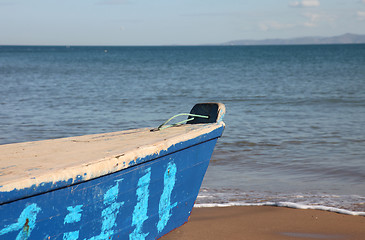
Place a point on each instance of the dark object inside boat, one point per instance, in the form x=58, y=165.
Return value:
x=206, y=109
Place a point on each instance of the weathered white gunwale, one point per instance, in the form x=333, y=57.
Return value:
x=29, y=164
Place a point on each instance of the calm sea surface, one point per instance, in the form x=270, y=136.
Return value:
x=295, y=122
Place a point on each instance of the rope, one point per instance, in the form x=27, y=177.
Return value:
x=164, y=126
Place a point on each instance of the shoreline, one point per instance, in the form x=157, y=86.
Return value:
x=283, y=204
x=268, y=223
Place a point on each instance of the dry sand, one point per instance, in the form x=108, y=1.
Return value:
x=268, y=223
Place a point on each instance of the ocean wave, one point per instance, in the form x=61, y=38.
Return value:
x=283, y=204
x=344, y=204
x=298, y=101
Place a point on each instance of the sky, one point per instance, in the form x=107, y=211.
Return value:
x=170, y=22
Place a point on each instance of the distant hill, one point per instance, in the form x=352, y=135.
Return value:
x=347, y=38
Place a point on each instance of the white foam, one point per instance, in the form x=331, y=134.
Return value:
x=345, y=204
x=319, y=207
x=282, y=204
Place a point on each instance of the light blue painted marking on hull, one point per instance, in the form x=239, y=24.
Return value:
x=25, y=224
x=74, y=214
x=112, y=194
x=165, y=205
x=140, y=210
x=110, y=213
x=71, y=235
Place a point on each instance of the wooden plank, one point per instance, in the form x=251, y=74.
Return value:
x=144, y=201
x=60, y=162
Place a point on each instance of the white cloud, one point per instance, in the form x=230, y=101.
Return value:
x=316, y=19
x=273, y=25
x=313, y=19
x=361, y=15
x=363, y=1
x=305, y=3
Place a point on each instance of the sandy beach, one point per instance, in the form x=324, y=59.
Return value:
x=268, y=223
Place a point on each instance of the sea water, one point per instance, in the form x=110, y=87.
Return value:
x=295, y=121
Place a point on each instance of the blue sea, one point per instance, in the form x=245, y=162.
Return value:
x=295, y=121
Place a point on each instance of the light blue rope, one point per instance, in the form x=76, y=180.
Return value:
x=164, y=126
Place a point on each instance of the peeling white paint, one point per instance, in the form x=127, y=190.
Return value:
x=29, y=164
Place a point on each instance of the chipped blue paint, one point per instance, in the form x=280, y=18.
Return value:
x=36, y=189
x=110, y=213
x=152, y=201
x=74, y=214
x=71, y=235
x=49, y=186
x=140, y=210
x=25, y=224
x=165, y=205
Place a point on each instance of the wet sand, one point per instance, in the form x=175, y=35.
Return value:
x=268, y=223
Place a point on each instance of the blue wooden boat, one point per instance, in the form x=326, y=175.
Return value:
x=135, y=184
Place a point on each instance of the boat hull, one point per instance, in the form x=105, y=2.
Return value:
x=144, y=201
